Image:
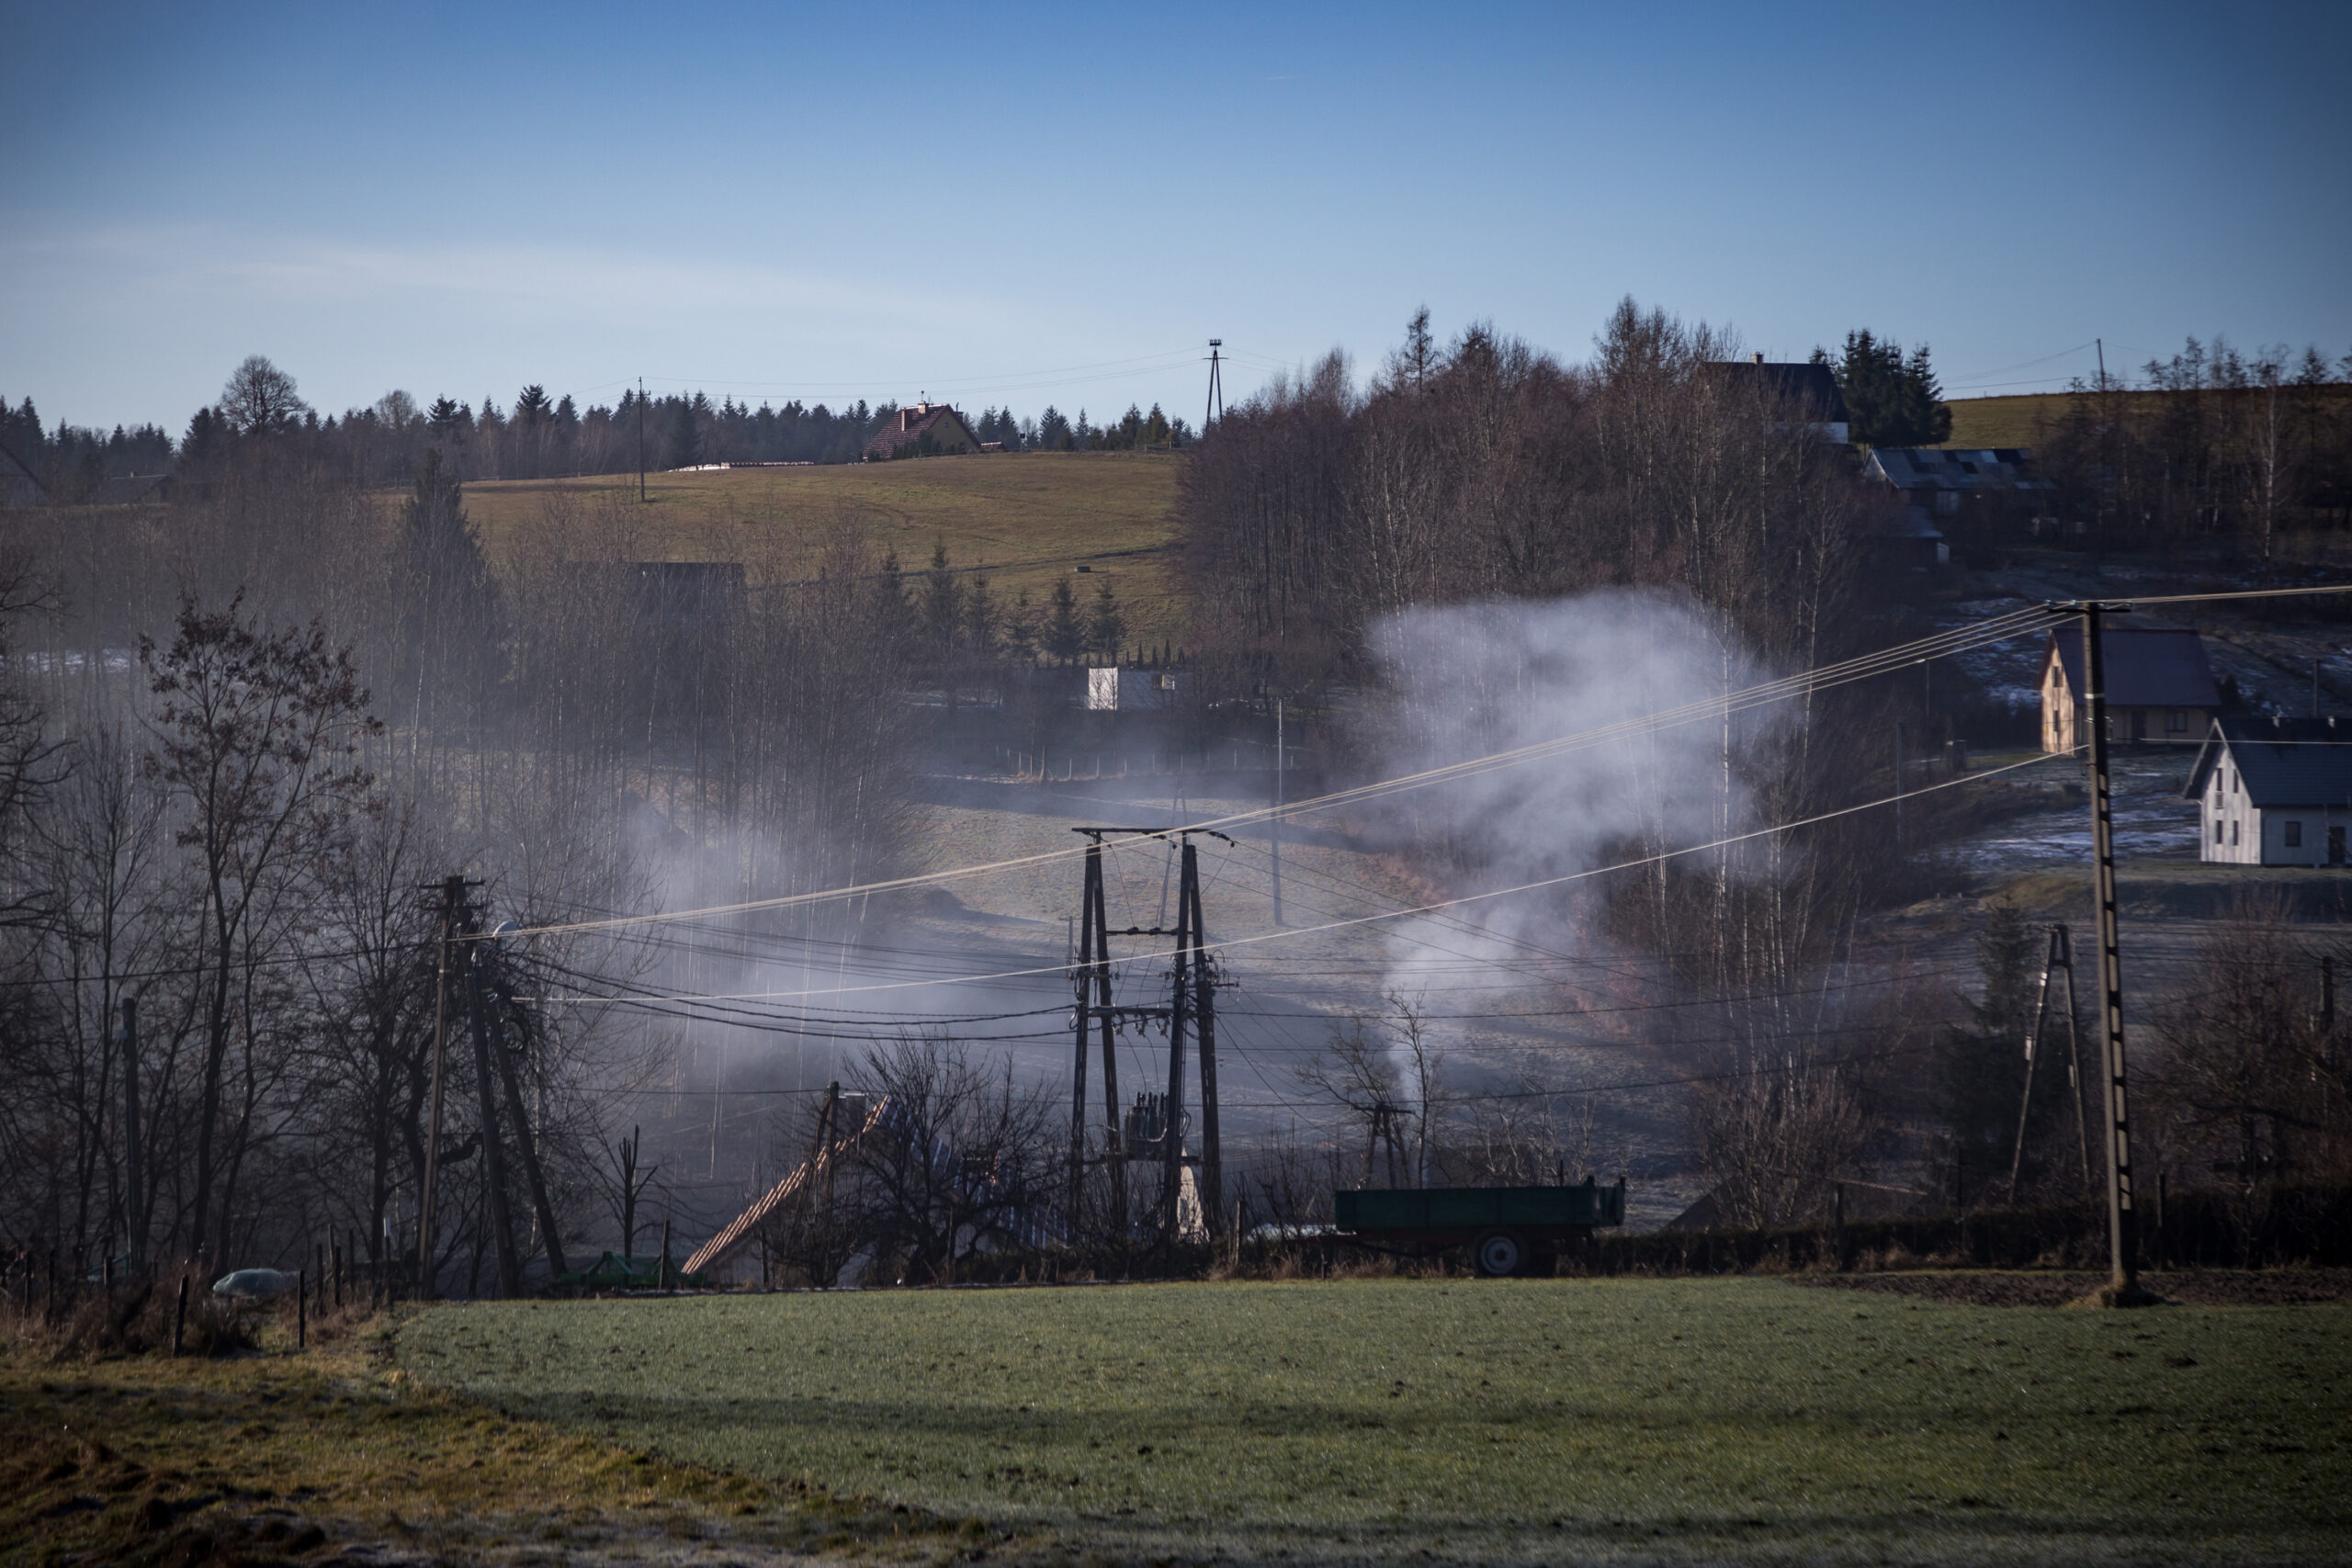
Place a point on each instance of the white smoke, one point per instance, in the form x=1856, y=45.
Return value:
x=1474, y=679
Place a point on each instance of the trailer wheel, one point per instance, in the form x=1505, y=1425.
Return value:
x=1499, y=1254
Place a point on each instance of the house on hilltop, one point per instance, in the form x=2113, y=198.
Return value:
x=2273, y=792
x=922, y=430
x=2159, y=685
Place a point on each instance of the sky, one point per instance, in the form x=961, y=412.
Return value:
x=1024, y=205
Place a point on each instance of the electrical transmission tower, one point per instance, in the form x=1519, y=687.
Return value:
x=1215, y=409
x=1158, y=1129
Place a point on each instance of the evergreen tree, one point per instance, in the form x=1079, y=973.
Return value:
x=941, y=608
x=1065, y=633
x=1890, y=401
x=1106, y=628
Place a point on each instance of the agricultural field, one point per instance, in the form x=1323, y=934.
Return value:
x=1718, y=1420
x=1028, y=517
x=2004, y=422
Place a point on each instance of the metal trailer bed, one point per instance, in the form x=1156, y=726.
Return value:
x=1506, y=1228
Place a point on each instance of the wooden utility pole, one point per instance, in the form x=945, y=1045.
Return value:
x=453, y=896
x=134, y=1156
x=2059, y=958
x=493, y=1148
x=640, y=439
x=525, y=1143
x=2123, y=1261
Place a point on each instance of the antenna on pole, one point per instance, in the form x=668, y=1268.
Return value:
x=1214, y=410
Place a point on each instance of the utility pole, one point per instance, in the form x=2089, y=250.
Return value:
x=453, y=896
x=2122, y=1242
x=493, y=1148
x=1091, y=978
x=1898, y=787
x=2059, y=958
x=1212, y=1182
x=1214, y=410
x=1278, y=811
x=641, y=440
x=525, y=1142
x=134, y=1160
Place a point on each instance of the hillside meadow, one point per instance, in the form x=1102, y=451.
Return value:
x=1028, y=517
x=1734, y=1419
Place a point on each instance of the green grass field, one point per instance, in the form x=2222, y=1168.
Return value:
x=1526, y=1420
x=1029, y=516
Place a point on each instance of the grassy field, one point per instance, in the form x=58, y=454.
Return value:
x=2003, y=422
x=1751, y=1419
x=1027, y=516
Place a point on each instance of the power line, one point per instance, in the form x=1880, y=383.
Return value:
x=1290, y=932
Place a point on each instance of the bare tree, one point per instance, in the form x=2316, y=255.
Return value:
x=960, y=1161
x=259, y=399
x=256, y=735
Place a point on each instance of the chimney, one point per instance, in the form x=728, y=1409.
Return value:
x=1756, y=359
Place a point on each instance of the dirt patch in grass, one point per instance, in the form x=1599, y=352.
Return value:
x=2202, y=1287
x=335, y=1455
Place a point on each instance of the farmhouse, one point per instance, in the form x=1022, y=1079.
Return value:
x=922, y=430
x=2159, y=686
x=1809, y=386
x=2273, y=792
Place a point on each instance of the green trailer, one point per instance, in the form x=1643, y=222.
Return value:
x=1506, y=1228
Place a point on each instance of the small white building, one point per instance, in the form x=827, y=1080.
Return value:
x=2273, y=792
x=1129, y=689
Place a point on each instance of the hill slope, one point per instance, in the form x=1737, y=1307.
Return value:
x=1028, y=517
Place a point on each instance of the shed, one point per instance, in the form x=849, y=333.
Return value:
x=1126, y=689
x=2159, y=684
x=2272, y=792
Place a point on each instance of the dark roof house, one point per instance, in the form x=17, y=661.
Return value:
x=1807, y=386
x=922, y=430
x=2273, y=792
x=1927, y=470
x=2159, y=684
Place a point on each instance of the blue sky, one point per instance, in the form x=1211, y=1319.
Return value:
x=1063, y=204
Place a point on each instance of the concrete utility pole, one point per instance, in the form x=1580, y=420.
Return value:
x=1091, y=976
x=1278, y=811
x=2121, y=1238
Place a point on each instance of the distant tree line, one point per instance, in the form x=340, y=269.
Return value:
x=536, y=436
x=2211, y=442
